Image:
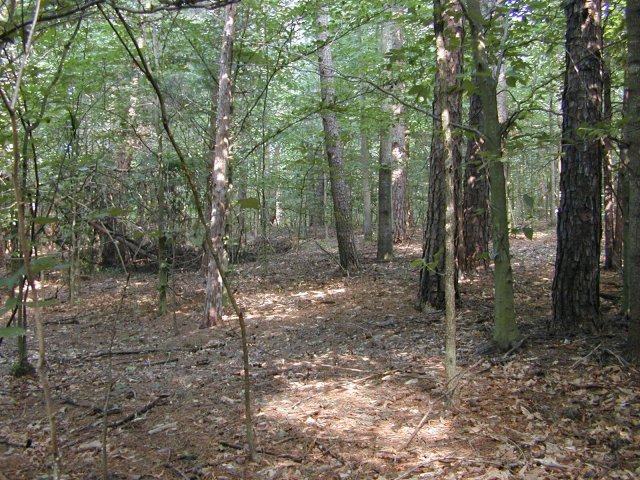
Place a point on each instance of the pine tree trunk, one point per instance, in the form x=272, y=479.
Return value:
x=476, y=198
x=576, y=302
x=219, y=167
x=340, y=191
x=632, y=138
x=449, y=33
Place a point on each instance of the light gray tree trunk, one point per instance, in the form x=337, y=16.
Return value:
x=340, y=190
x=219, y=166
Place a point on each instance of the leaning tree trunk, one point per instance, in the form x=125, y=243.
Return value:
x=219, y=165
x=340, y=190
x=475, y=207
x=633, y=141
x=506, y=332
x=449, y=33
x=576, y=302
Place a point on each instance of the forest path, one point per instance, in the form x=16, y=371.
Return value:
x=347, y=380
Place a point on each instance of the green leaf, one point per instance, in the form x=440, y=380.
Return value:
x=528, y=232
x=9, y=305
x=41, y=264
x=12, y=332
x=529, y=201
x=251, y=202
x=44, y=220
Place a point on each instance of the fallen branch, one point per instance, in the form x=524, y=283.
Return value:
x=332, y=256
x=94, y=408
x=424, y=419
x=266, y=452
x=137, y=413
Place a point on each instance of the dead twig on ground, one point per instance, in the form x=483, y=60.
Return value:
x=264, y=451
x=139, y=412
x=95, y=409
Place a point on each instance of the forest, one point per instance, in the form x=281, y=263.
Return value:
x=302, y=239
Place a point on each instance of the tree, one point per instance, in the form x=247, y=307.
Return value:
x=340, y=190
x=449, y=35
x=506, y=332
x=576, y=283
x=475, y=204
x=632, y=138
x=219, y=166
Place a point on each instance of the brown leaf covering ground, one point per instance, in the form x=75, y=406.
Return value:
x=347, y=381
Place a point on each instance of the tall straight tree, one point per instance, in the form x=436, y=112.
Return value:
x=219, y=167
x=448, y=25
x=576, y=284
x=340, y=191
x=632, y=137
x=399, y=151
x=475, y=211
x=505, y=333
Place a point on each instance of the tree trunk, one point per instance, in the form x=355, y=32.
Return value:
x=449, y=33
x=506, y=331
x=340, y=191
x=632, y=138
x=475, y=207
x=607, y=176
x=385, y=211
x=576, y=301
x=365, y=159
x=219, y=166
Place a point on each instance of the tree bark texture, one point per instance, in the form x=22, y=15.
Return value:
x=506, y=331
x=475, y=205
x=385, y=210
x=340, y=190
x=576, y=302
x=449, y=36
x=632, y=138
x=219, y=167
x=392, y=40
x=607, y=177
x=365, y=159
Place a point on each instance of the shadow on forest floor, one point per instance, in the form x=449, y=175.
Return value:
x=347, y=381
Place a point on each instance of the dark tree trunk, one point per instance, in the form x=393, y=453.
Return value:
x=576, y=302
x=475, y=207
x=449, y=32
x=632, y=138
x=385, y=211
x=340, y=191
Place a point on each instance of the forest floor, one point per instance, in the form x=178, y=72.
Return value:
x=347, y=380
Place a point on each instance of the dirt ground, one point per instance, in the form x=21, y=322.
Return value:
x=347, y=380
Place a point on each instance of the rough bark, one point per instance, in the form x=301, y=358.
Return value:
x=576, y=302
x=632, y=137
x=506, y=331
x=393, y=40
x=219, y=167
x=449, y=34
x=475, y=206
x=607, y=178
x=340, y=190
x=365, y=159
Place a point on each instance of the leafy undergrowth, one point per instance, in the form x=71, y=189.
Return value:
x=347, y=381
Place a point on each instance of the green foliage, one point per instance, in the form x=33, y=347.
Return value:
x=8, y=332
